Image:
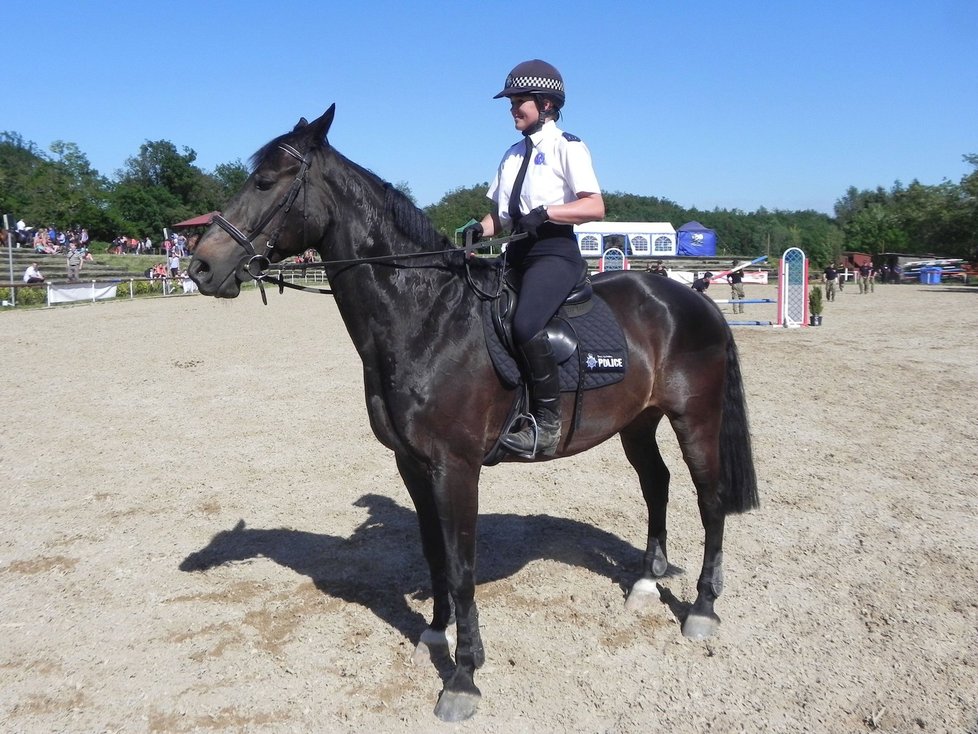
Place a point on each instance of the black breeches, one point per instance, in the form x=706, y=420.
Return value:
x=546, y=283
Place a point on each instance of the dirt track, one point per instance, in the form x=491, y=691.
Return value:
x=178, y=555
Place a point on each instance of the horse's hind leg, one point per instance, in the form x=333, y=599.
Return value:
x=642, y=451
x=700, y=446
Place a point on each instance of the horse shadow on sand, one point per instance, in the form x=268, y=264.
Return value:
x=381, y=564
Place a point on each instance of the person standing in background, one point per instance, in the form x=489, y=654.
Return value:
x=74, y=262
x=865, y=273
x=831, y=277
x=736, y=281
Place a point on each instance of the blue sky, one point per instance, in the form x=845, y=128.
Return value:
x=782, y=105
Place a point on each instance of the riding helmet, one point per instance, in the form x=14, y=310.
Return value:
x=534, y=77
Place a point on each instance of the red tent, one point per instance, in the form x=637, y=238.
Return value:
x=202, y=221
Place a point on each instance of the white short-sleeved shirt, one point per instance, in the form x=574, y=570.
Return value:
x=559, y=170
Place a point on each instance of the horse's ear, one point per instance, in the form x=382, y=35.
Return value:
x=321, y=126
x=300, y=124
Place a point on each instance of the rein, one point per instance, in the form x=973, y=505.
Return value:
x=259, y=265
x=264, y=277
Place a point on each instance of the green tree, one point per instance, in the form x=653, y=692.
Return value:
x=622, y=207
x=914, y=219
x=230, y=179
x=457, y=207
x=19, y=159
x=79, y=194
x=160, y=186
x=968, y=212
x=875, y=229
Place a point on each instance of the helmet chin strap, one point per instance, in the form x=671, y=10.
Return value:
x=544, y=116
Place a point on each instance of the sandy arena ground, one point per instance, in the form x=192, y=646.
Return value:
x=180, y=555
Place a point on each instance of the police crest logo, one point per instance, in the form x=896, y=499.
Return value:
x=612, y=361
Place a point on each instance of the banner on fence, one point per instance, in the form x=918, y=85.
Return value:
x=68, y=292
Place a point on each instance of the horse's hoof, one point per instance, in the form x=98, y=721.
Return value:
x=697, y=627
x=457, y=705
x=643, y=593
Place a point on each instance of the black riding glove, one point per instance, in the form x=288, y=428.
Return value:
x=531, y=222
x=475, y=231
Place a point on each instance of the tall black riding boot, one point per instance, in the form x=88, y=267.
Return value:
x=543, y=379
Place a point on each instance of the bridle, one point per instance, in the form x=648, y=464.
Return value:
x=259, y=264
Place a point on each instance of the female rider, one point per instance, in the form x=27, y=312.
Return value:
x=544, y=185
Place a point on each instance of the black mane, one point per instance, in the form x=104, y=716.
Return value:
x=406, y=217
x=411, y=221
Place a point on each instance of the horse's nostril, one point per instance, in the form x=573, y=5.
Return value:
x=199, y=269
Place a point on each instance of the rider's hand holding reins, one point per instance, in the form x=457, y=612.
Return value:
x=531, y=222
x=473, y=233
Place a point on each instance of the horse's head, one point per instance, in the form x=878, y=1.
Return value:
x=267, y=221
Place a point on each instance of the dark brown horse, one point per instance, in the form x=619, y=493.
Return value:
x=412, y=305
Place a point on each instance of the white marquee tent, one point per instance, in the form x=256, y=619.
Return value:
x=635, y=239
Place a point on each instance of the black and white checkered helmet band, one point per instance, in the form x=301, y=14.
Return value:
x=534, y=83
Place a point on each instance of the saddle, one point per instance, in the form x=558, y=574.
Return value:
x=587, y=340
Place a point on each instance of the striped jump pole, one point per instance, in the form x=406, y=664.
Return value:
x=742, y=266
x=728, y=301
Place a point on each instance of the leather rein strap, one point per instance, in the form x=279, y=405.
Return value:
x=283, y=284
x=259, y=264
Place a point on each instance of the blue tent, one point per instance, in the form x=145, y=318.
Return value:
x=695, y=240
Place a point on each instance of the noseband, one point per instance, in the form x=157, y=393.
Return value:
x=258, y=265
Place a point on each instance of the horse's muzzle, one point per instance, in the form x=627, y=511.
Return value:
x=221, y=280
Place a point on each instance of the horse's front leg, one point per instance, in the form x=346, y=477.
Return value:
x=436, y=640
x=456, y=491
x=446, y=496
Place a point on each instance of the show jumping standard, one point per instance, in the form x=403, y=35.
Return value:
x=413, y=305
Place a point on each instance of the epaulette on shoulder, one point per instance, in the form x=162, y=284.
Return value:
x=571, y=138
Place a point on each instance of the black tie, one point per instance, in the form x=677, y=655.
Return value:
x=514, y=198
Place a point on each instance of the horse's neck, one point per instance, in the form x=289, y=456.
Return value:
x=377, y=299
x=362, y=225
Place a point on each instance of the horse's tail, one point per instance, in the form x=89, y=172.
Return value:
x=738, y=479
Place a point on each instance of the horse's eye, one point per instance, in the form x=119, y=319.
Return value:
x=264, y=183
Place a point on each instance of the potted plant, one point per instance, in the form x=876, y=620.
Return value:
x=815, y=306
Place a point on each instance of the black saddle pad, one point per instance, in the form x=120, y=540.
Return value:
x=600, y=359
